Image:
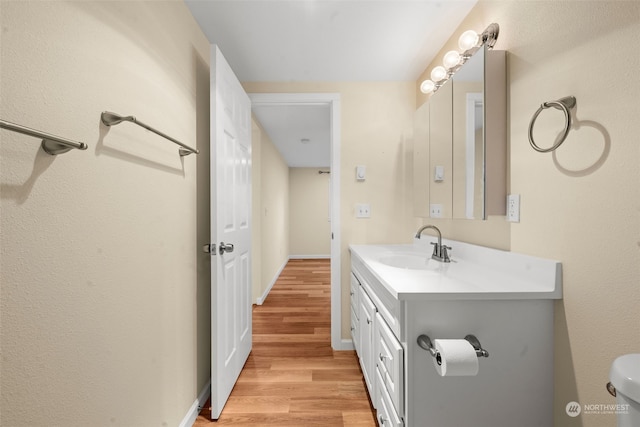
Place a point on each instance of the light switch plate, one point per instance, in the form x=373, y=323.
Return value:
x=361, y=172
x=363, y=210
x=438, y=174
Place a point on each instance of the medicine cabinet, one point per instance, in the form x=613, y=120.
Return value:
x=460, y=143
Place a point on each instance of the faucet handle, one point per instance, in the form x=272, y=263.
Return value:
x=445, y=254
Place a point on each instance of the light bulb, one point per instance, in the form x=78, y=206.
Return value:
x=451, y=59
x=427, y=86
x=438, y=73
x=467, y=40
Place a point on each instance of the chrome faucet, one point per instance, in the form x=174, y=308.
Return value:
x=439, y=250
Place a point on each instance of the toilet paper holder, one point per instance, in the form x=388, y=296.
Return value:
x=425, y=342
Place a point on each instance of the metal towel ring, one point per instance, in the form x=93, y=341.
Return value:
x=564, y=104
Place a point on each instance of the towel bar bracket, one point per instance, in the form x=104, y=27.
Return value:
x=53, y=148
x=51, y=144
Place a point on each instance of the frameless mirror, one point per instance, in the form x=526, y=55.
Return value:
x=460, y=143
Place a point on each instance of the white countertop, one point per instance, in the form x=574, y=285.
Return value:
x=475, y=273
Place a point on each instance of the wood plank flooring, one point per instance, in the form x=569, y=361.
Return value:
x=292, y=376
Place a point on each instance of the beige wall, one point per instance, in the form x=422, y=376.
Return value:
x=581, y=204
x=271, y=194
x=99, y=260
x=256, y=210
x=309, y=226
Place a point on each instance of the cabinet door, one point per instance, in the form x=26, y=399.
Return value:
x=385, y=412
x=389, y=358
x=355, y=310
x=354, y=293
x=367, y=324
x=355, y=330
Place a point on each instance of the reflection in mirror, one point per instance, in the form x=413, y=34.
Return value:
x=440, y=153
x=420, y=161
x=468, y=139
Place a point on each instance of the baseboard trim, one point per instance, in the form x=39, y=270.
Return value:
x=193, y=412
x=261, y=299
x=309, y=256
x=346, y=344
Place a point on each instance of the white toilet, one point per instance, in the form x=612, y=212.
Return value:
x=625, y=385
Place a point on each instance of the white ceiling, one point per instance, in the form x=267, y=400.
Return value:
x=301, y=133
x=325, y=40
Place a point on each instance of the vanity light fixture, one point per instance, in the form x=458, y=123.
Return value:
x=438, y=74
x=451, y=59
x=469, y=42
x=427, y=86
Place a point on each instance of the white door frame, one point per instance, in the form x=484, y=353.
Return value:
x=333, y=101
x=474, y=100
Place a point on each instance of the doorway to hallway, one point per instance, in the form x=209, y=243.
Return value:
x=332, y=101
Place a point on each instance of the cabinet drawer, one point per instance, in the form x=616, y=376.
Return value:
x=354, y=292
x=386, y=413
x=389, y=358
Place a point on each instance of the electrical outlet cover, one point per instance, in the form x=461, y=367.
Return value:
x=513, y=208
x=435, y=210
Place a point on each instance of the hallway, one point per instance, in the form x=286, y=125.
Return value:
x=292, y=376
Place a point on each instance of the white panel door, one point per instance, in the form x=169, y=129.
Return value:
x=230, y=229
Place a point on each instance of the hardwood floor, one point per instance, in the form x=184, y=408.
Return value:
x=292, y=376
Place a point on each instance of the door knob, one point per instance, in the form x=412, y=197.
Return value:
x=225, y=247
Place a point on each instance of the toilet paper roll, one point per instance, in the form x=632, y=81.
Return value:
x=456, y=358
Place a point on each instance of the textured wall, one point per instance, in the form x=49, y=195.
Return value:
x=581, y=204
x=99, y=247
x=272, y=175
x=309, y=226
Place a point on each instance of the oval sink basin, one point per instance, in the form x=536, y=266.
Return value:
x=410, y=262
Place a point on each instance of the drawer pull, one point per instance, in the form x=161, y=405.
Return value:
x=368, y=320
x=353, y=329
x=382, y=420
x=383, y=356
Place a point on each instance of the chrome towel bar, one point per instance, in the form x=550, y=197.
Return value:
x=109, y=119
x=51, y=144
